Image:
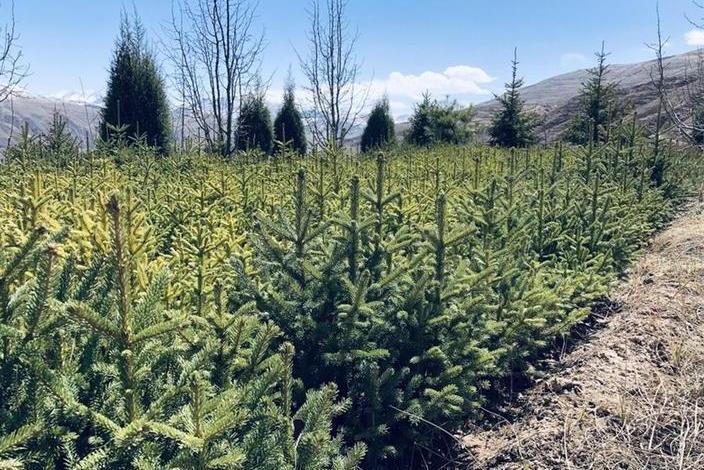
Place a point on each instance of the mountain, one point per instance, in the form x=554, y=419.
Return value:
x=37, y=111
x=556, y=99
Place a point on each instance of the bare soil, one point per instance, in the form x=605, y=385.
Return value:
x=632, y=396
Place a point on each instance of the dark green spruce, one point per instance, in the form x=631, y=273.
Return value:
x=599, y=107
x=434, y=122
x=379, y=131
x=289, y=131
x=136, y=106
x=254, y=126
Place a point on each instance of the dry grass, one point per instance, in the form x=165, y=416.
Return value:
x=632, y=397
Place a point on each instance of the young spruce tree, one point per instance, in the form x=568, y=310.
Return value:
x=288, y=125
x=379, y=131
x=135, y=104
x=254, y=126
x=420, y=132
x=599, y=107
x=58, y=142
x=512, y=126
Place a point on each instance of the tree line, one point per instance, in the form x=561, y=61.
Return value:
x=216, y=51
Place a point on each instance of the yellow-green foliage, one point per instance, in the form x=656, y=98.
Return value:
x=162, y=312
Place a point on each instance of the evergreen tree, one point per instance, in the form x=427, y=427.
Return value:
x=420, y=132
x=254, y=126
x=221, y=315
x=135, y=103
x=434, y=122
x=512, y=126
x=133, y=395
x=379, y=131
x=58, y=143
x=288, y=125
x=599, y=106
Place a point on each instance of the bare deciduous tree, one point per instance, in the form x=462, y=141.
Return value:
x=216, y=53
x=681, y=98
x=12, y=72
x=657, y=77
x=331, y=69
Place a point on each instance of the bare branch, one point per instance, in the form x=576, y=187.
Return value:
x=680, y=99
x=216, y=55
x=12, y=71
x=331, y=69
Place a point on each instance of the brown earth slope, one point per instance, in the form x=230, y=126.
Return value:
x=555, y=100
x=632, y=396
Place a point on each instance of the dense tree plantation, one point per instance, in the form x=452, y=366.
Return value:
x=237, y=293
x=332, y=311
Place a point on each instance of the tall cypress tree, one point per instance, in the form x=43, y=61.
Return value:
x=599, y=107
x=288, y=125
x=254, y=125
x=135, y=102
x=379, y=131
x=512, y=125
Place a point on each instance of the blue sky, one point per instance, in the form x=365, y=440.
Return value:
x=456, y=47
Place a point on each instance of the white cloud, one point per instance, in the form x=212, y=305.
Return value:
x=572, y=60
x=694, y=37
x=458, y=80
x=465, y=83
x=275, y=96
x=71, y=96
x=401, y=109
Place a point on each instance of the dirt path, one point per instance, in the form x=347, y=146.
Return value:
x=632, y=396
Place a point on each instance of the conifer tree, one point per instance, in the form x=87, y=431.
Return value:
x=254, y=125
x=434, y=122
x=220, y=315
x=379, y=131
x=98, y=372
x=288, y=125
x=599, y=107
x=420, y=132
x=135, y=101
x=58, y=142
x=512, y=126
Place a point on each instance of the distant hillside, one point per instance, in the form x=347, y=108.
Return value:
x=37, y=111
x=556, y=99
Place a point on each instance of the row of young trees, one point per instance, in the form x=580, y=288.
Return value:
x=215, y=52
x=187, y=312
x=216, y=58
x=136, y=106
x=513, y=126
